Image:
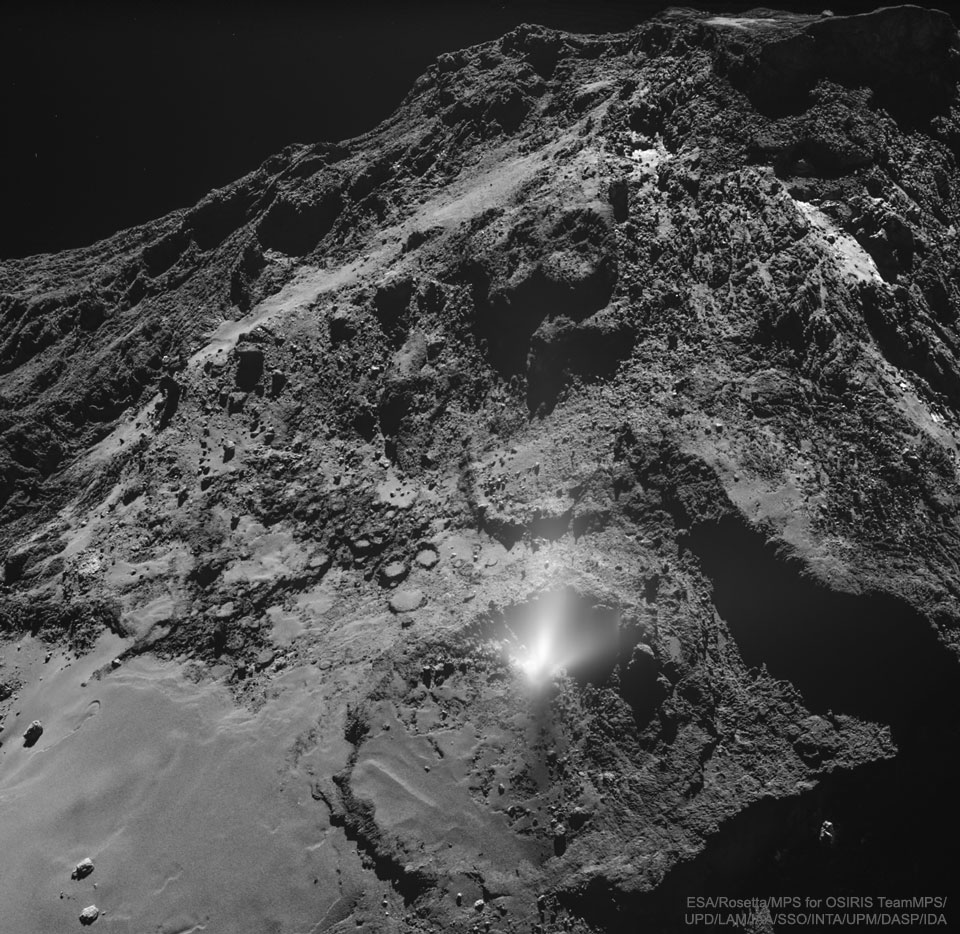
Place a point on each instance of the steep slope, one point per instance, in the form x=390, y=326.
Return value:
x=561, y=478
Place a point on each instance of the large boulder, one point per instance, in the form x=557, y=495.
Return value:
x=82, y=869
x=33, y=733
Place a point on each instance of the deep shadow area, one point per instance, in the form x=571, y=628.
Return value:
x=296, y=229
x=506, y=321
x=890, y=818
x=870, y=655
x=560, y=350
x=903, y=53
x=208, y=91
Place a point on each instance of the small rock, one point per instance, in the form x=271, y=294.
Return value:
x=406, y=601
x=83, y=869
x=33, y=733
x=89, y=914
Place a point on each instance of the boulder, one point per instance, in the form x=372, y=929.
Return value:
x=393, y=573
x=89, y=914
x=427, y=558
x=33, y=733
x=407, y=600
x=83, y=869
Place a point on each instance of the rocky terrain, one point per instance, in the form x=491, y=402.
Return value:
x=523, y=517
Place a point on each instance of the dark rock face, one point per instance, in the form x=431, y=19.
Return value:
x=588, y=430
x=249, y=366
x=907, y=55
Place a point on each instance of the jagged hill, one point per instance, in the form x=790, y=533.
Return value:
x=585, y=436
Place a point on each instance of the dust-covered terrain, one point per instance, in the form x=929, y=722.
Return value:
x=523, y=517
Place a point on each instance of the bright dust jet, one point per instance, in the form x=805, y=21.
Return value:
x=563, y=631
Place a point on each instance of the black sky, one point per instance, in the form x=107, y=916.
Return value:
x=119, y=113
